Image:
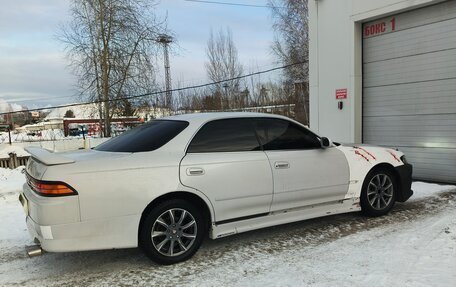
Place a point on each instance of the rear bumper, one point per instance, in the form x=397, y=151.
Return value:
x=405, y=182
x=55, y=223
x=113, y=233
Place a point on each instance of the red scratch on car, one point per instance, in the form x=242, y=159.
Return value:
x=371, y=155
x=395, y=157
x=358, y=153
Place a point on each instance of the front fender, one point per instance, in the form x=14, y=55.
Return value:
x=362, y=159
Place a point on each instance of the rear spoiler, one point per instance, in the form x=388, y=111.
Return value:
x=47, y=157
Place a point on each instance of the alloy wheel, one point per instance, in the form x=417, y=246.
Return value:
x=174, y=232
x=380, y=191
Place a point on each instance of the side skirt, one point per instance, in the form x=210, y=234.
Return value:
x=284, y=216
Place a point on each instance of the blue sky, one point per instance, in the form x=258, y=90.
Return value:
x=33, y=68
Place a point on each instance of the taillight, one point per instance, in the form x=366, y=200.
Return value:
x=50, y=188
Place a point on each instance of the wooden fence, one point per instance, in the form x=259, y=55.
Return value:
x=13, y=161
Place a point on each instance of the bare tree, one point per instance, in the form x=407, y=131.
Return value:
x=223, y=63
x=291, y=46
x=112, y=45
x=291, y=42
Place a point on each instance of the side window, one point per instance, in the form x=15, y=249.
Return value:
x=225, y=136
x=277, y=134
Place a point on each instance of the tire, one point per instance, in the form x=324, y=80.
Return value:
x=172, y=232
x=379, y=192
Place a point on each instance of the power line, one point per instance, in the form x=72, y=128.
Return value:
x=230, y=4
x=159, y=92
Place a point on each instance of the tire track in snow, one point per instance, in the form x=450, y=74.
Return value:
x=130, y=268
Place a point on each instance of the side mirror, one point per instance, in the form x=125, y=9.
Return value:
x=325, y=142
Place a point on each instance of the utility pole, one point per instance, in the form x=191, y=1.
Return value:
x=165, y=40
x=9, y=135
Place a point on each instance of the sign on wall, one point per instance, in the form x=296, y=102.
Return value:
x=341, y=94
x=382, y=26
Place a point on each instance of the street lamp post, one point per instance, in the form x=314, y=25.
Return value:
x=225, y=86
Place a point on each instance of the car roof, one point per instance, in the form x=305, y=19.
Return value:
x=204, y=117
x=196, y=120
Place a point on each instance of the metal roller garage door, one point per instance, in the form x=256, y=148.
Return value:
x=409, y=87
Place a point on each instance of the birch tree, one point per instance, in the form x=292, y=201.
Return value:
x=111, y=46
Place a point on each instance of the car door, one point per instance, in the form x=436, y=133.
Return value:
x=225, y=161
x=304, y=173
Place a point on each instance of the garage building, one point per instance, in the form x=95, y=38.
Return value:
x=384, y=73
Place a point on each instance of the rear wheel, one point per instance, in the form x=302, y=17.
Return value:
x=379, y=192
x=172, y=232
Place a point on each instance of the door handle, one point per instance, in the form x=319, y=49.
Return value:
x=281, y=164
x=195, y=171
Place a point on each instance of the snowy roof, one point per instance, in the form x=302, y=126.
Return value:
x=89, y=111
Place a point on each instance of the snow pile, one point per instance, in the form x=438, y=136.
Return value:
x=6, y=149
x=424, y=189
x=11, y=181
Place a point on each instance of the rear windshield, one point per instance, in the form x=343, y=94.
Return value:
x=147, y=137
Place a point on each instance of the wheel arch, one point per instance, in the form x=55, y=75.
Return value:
x=195, y=199
x=387, y=166
x=366, y=206
x=402, y=176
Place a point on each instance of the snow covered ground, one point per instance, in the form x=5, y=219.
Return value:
x=11, y=181
x=415, y=245
x=6, y=149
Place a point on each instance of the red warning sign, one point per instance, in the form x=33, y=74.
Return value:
x=341, y=94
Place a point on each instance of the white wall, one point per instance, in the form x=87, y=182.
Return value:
x=335, y=55
x=368, y=9
x=330, y=65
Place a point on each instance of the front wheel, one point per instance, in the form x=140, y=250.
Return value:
x=172, y=232
x=379, y=192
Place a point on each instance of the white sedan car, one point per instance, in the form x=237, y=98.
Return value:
x=166, y=184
